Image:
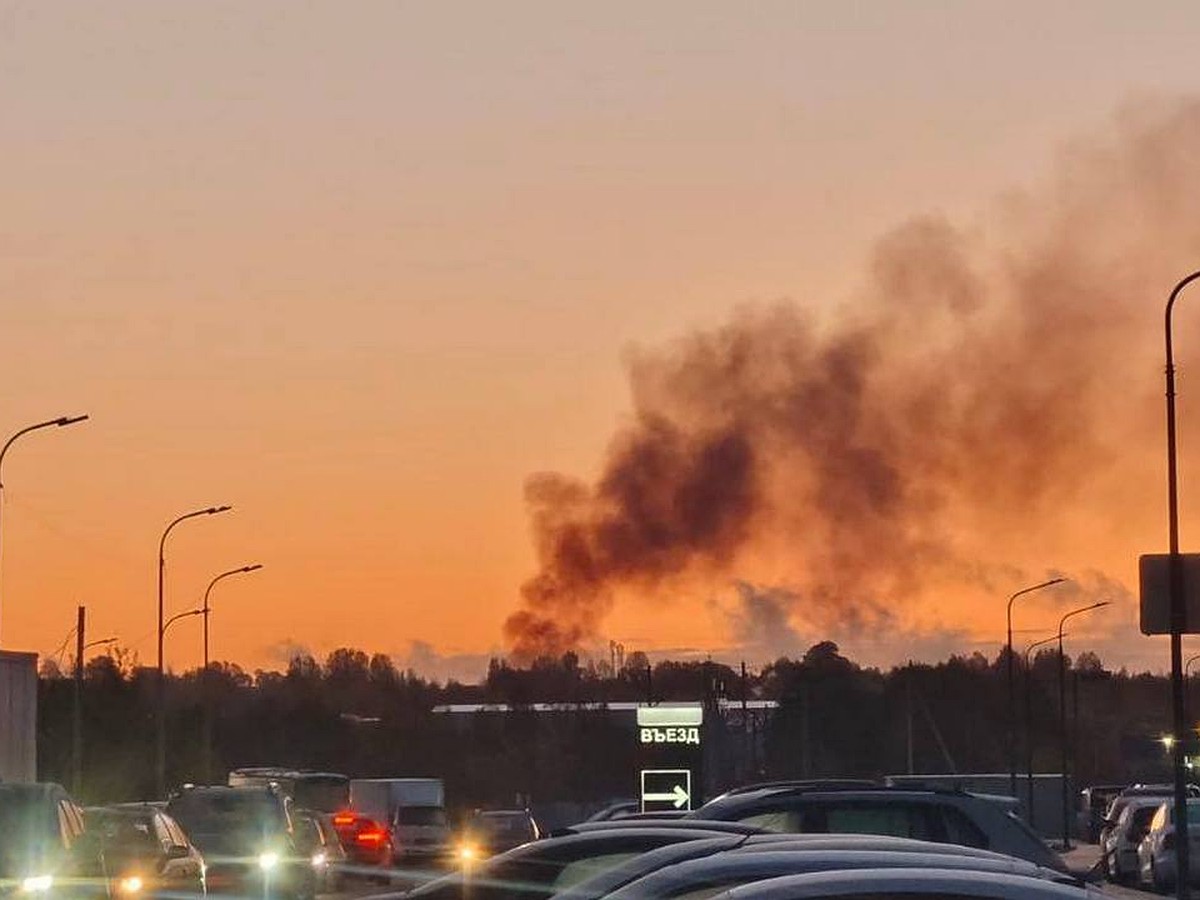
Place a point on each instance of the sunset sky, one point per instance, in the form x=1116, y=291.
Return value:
x=361, y=269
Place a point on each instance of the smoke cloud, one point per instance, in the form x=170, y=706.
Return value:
x=989, y=391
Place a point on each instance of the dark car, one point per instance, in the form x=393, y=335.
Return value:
x=316, y=836
x=944, y=816
x=543, y=868
x=245, y=835
x=46, y=852
x=367, y=843
x=146, y=853
x=492, y=831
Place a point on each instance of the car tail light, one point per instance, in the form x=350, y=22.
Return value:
x=344, y=819
x=371, y=835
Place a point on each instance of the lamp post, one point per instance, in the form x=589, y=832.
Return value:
x=161, y=729
x=1178, y=613
x=1029, y=724
x=183, y=615
x=1062, y=718
x=205, y=609
x=58, y=423
x=1012, y=700
x=77, y=710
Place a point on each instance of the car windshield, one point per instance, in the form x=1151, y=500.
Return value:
x=229, y=812
x=503, y=824
x=29, y=827
x=421, y=815
x=122, y=831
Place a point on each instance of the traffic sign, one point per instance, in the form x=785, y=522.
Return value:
x=666, y=789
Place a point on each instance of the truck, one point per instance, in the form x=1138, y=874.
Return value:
x=18, y=715
x=413, y=810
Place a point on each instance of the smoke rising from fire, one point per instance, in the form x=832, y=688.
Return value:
x=987, y=387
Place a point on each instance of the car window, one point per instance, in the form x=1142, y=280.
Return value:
x=785, y=821
x=65, y=827
x=909, y=820
x=583, y=869
x=175, y=833
x=961, y=830
x=1139, y=823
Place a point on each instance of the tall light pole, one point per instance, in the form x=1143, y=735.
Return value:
x=161, y=718
x=57, y=423
x=1062, y=718
x=1012, y=700
x=205, y=609
x=1029, y=724
x=1179, y=623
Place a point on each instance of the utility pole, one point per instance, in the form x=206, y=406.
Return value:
x=77, y=716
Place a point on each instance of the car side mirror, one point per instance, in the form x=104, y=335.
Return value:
x=178, y=851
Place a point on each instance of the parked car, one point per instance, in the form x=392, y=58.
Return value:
x=316, y=836
x=245, y=835
x=543, y=868
x=146, y=853
x=1156, y=852
x=618, y=877
x=1093, y=805
x=491, y=831
x=926, y=884
x=46, y=851
x=939, y=815
x=618, y=810
x=723, y=871
x=1119, y=848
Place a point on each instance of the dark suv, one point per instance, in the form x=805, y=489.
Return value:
x=945, y=816
x=245, y=835
x=45, y=851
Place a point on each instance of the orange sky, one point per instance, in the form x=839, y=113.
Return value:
x=359, y=271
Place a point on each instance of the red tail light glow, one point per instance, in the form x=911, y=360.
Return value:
x=342, y=819
x=371, y=836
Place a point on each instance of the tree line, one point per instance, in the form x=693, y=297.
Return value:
x=358, y=714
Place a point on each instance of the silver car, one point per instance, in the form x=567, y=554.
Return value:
x=1122, y=837
x=1156, y=852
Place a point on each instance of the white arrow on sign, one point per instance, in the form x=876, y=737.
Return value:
x=677, y=797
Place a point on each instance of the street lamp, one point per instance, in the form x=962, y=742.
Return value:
x=1012, y=701
x=1029, y=724
x=1178, y=613
x=183, y=615
x=205, y=609
x=58, y=423
x=161, y=754
x=1062, y=718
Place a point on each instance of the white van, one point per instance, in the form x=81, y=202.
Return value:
x=414, y=810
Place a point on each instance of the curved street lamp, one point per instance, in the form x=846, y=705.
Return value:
x=1178, y=613
x=57, y=423
x=1062, y=717
x=1012, y=701
x=183, y=615
x=1029, y=724
x=161, y=752
x=206, y=609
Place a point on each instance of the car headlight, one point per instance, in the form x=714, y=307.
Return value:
x=36, y=884
x=268, y=861
x=319, y=859
x=467, y=852
x=130, y=885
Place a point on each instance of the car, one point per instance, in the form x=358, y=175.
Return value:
x=316, y=836
x=925, y=884
x=617, y=877
x=1158, y=791
x=366, y=842
x=618, y=810
x=1119, y=848
x=47, y=852
x=146, y=853
x=491, y=831
x=1093, y=805
x=941, y=815
x=246, y=837
x=1156, y=852
x=546, y=867
x=722, y=871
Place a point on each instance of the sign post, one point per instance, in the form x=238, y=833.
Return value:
x=670, y=755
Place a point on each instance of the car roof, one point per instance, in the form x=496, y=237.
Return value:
x=759, y=866
x=913, y=881
x=834, y=841
x=673, y=824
